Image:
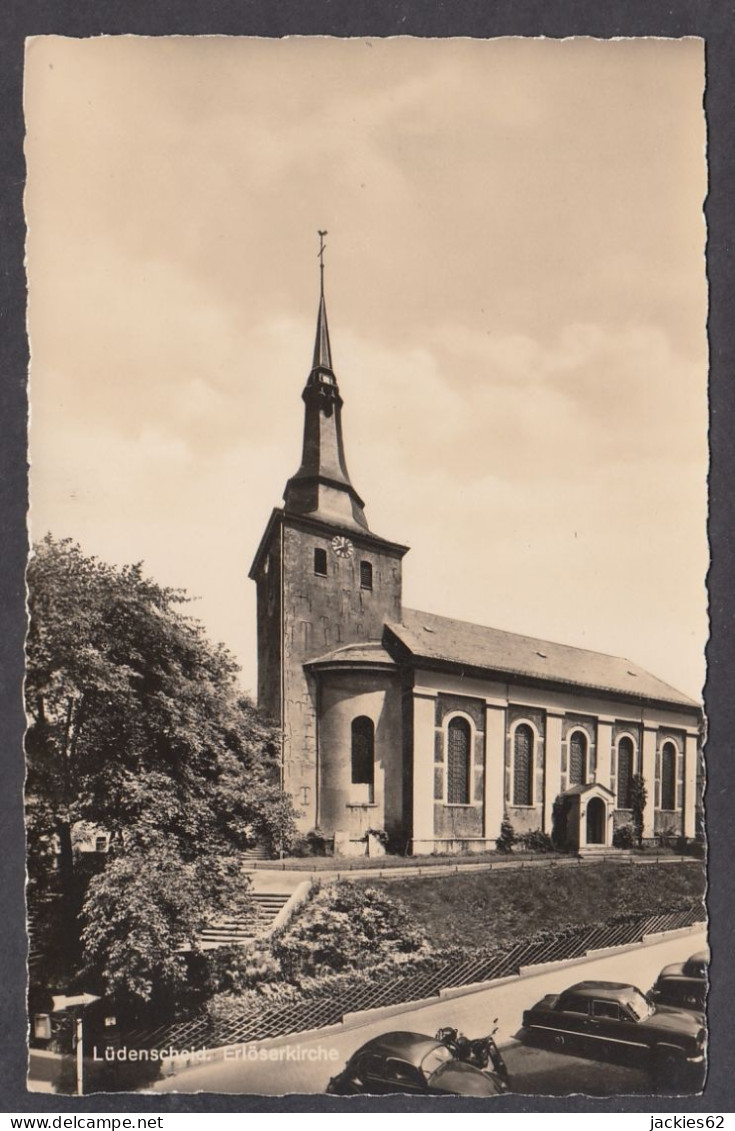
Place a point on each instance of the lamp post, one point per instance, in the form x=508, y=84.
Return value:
x=76, y=1003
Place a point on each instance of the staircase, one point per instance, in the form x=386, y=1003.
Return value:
x=257, y=852
x=242, y=929
x=591, y=851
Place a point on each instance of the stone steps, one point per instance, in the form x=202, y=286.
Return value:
x=241, y=929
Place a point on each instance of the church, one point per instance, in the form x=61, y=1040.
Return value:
x=434, y=730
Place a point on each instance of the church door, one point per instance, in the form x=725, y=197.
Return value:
x=596, y=821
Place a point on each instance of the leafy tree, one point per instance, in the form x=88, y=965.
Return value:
x=638, y=799
x=137, y=728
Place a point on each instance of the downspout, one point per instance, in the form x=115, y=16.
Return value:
x=283, y=659
x=317, y=766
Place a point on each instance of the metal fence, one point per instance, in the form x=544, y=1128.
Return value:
x=324, y=1002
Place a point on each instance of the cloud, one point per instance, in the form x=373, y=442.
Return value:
x=516, y=293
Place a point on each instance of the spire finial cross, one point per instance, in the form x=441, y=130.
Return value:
x=322, y=248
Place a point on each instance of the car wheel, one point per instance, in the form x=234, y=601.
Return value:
x=666, y=1063
x=558, y=1042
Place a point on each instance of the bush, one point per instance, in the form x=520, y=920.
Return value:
x=536, y=841
x=638, y=799
x=624, y=837
x=239, y=968
x=380, y=835
x=313, y=843
x=318, y=842
x=689, y=846
x=507, y=838
x=559, y=824
x=345, y=927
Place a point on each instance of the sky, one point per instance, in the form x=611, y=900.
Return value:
x=517, y=299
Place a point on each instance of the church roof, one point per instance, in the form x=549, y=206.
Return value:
x=434, y=638
x=366, y=652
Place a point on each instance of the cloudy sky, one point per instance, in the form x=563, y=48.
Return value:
x=517, y=302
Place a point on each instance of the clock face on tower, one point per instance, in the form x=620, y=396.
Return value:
x=342, y=547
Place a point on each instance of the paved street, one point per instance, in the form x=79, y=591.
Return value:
x=292, y=1065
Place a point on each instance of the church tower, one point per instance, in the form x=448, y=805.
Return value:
x=324, y=580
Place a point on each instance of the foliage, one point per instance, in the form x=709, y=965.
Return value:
x=624, y=836
x=690, y=846
x=314, y=843
x=237, y=969
x=136, y=726
x=536, y=840
x=380, y=835
x=345, y=926
x=141, y=913
x=560, y=823
x=638, y=799
x=504, y=843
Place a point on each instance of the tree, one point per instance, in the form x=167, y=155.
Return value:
x=638, y=799
x=135, y=727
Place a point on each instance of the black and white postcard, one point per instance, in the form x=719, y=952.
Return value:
x=367, y=594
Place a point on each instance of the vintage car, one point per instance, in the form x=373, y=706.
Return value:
x=413, y=1064
x=683, y=984
x=604, y=1020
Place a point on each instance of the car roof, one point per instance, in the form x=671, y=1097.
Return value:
x=699, y=956
x=466, y=1079
x=411, y=1047
x=606, y=989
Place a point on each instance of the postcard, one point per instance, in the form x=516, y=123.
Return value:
x=367, y=605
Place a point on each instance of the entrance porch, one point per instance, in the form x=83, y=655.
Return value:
x=589, y=817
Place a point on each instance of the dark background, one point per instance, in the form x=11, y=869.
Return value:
x=712, y=20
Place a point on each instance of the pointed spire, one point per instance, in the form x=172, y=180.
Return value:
x=322, y=487
x=322, y=349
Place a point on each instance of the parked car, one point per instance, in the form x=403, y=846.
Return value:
x=608, y=1019
x=683, y=984
x=413, y=1064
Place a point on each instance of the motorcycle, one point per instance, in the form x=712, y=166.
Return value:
x=481, y=1052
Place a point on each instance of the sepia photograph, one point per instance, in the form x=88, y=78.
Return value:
x=367, y=605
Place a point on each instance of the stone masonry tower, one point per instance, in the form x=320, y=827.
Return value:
x=323, y=579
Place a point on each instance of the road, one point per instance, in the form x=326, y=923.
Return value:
x=290, y=1064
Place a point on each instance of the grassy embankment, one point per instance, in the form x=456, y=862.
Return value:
x=485, y=908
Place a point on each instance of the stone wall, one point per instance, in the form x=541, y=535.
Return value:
x=313, y=615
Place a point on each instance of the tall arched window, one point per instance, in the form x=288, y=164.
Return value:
x=625, y=772
x=363, y=754
x=523, y=765
x=668, y=776
x=577, y=758
x=459, y=746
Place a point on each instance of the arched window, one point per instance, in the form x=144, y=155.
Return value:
x=459, y=747
x=523, y=765
x=625, y=772
x=363, y=754
x=577, y=758
x=668, y=776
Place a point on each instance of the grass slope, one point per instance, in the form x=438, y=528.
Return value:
x=482, y=908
